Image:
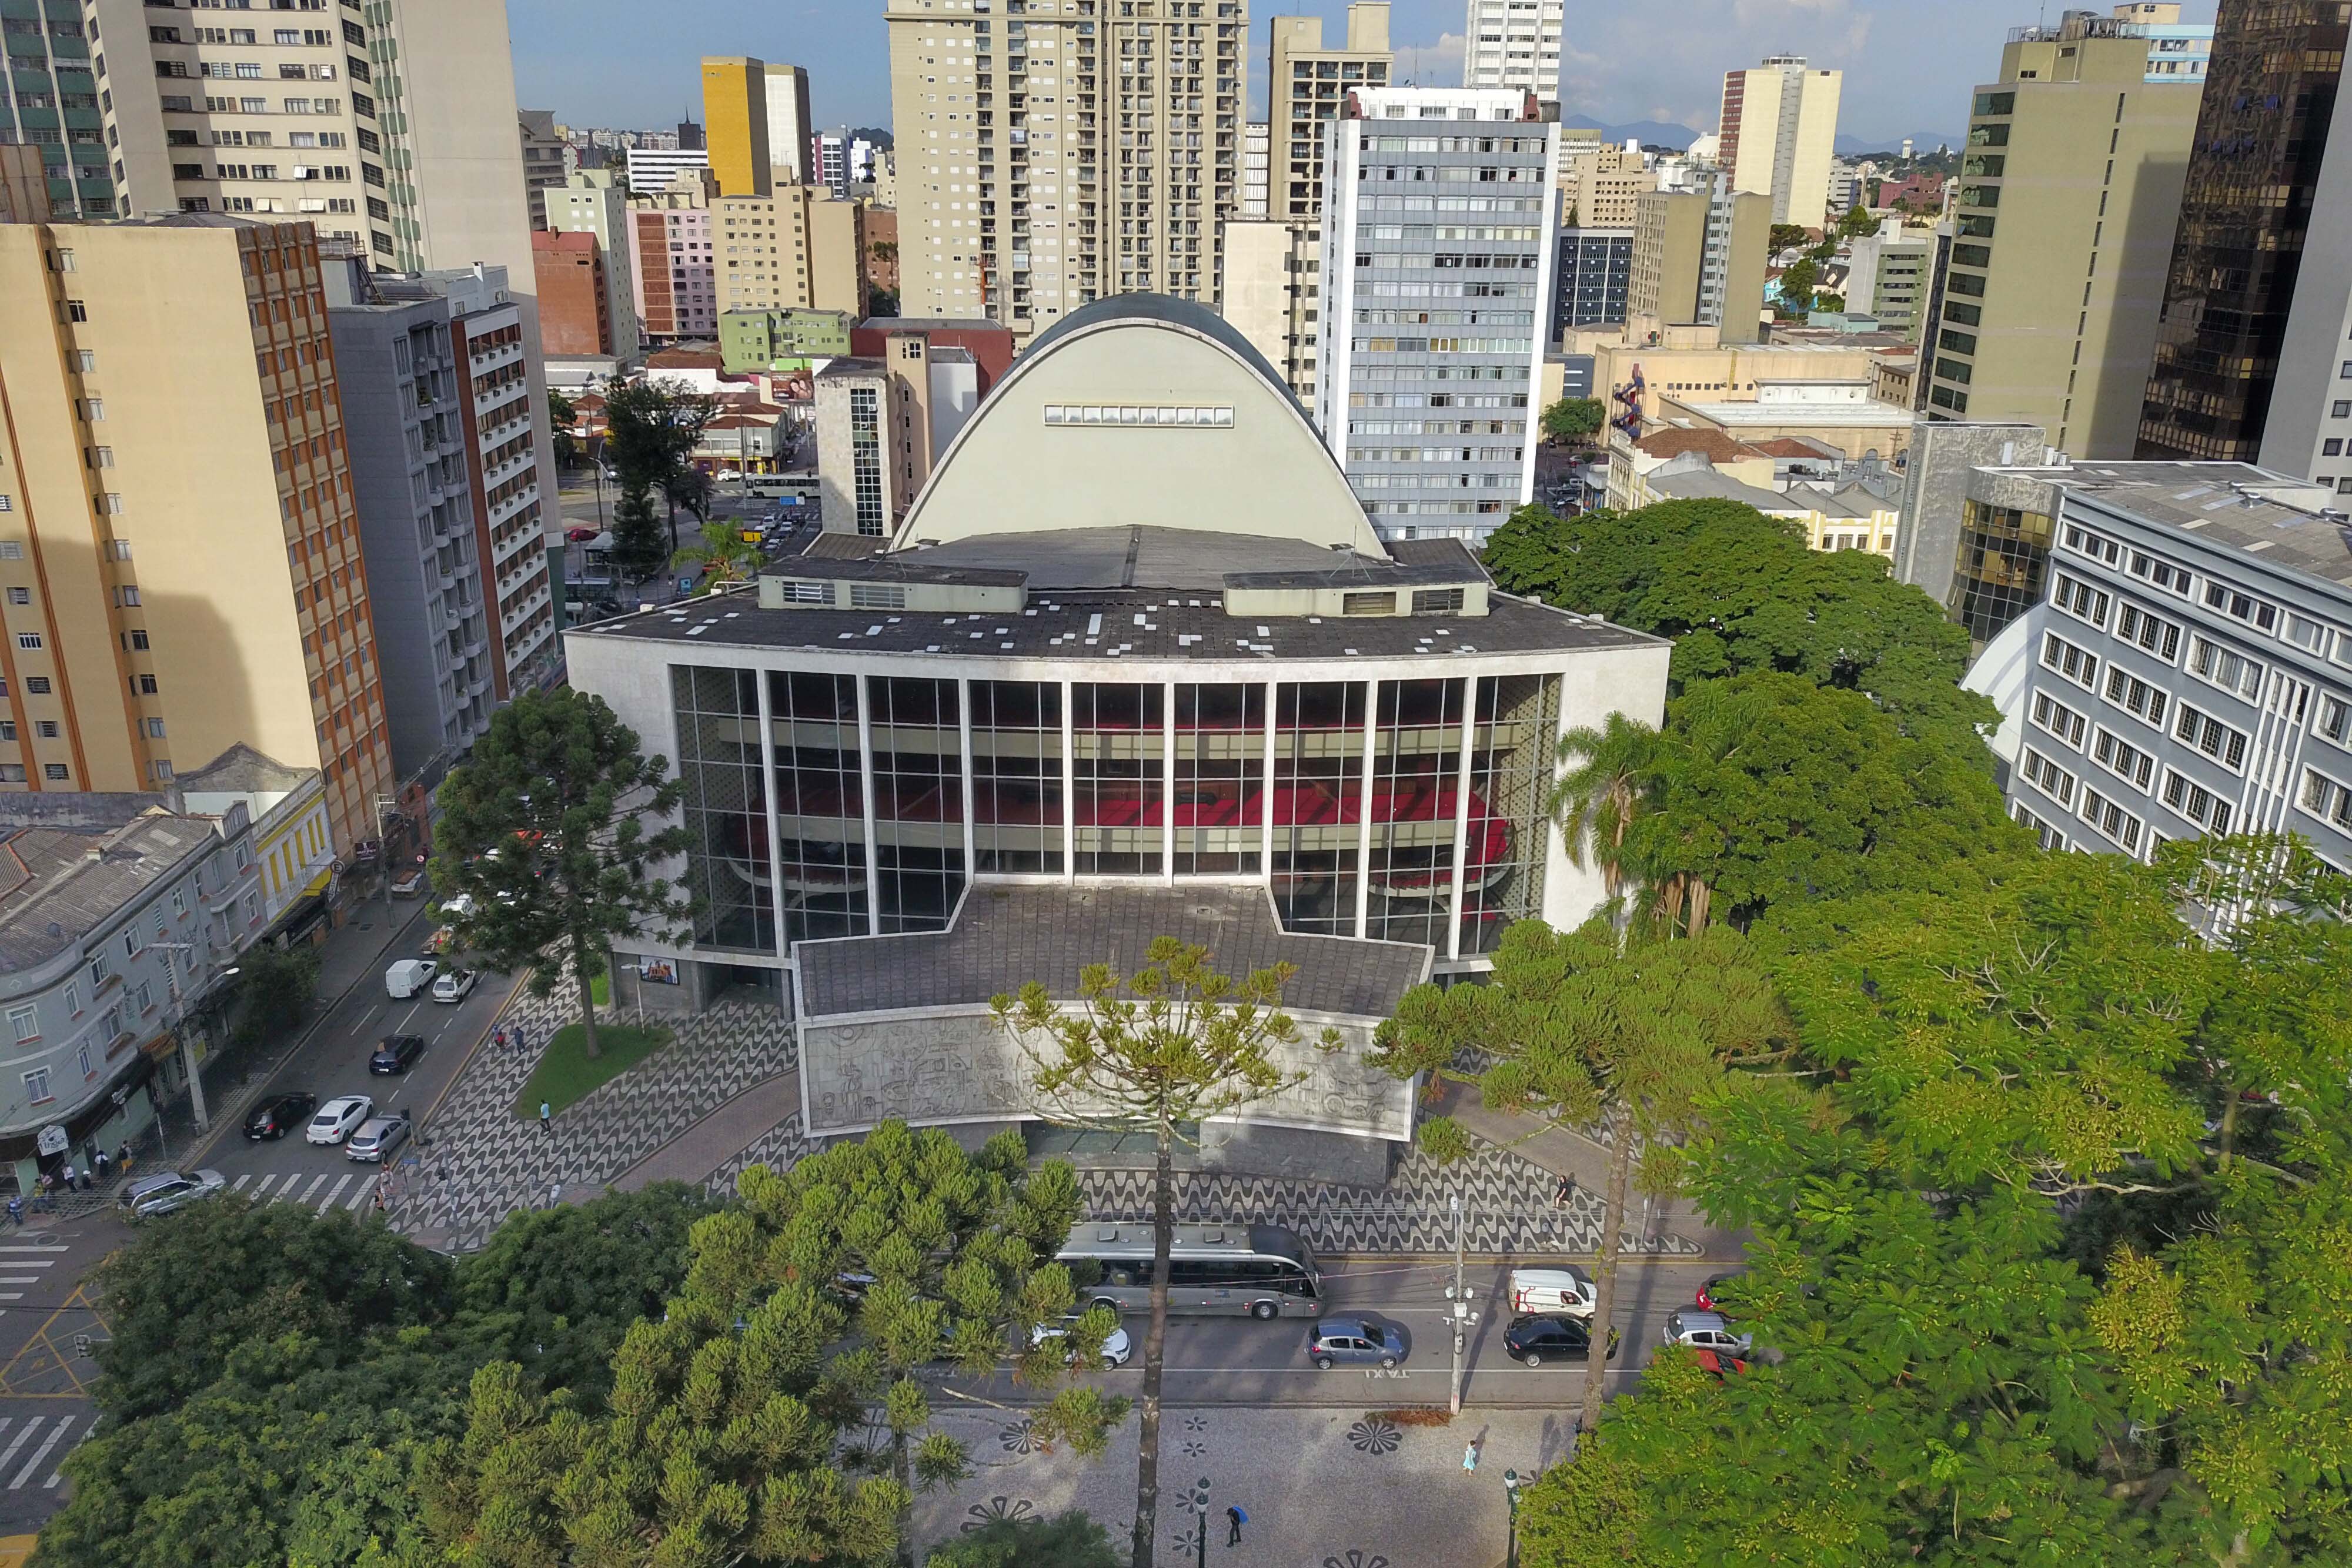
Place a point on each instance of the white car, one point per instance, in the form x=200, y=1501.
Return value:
x=1118, y=1350
x=337, y=1117
x=453, y=984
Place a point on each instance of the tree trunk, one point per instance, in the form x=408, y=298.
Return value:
x=902, y=1471
x=1604, y=1275
x=2229, y=1126
x=587, y=1000
x=1155, y=1348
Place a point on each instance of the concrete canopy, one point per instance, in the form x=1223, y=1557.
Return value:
x=1256, y=468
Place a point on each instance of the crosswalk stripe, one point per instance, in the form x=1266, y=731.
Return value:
x=31, y=1426
x=316, y=1184
x=6, y=1246
x=12, y=1295
x=42, y=1452
x=19, y=1279
x=239, y=1184
x=333, y=1193
x=359, y=1198
x=262, y=1186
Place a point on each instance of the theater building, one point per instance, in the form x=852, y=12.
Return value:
x=1133, y=663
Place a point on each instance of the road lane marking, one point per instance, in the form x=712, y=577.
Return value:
x=315, y=1182
x=19, y=1279
x=262, y=1186
x=327, y=1202
x=64, y=1423
x=27, y=1246
x=239, y=1184
x=361, y=1197
x=12, y=1295
x=30, y=1427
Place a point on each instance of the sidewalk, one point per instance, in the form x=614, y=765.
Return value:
x=701, y=1155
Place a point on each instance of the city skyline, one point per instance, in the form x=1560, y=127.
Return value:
x=1909, y=64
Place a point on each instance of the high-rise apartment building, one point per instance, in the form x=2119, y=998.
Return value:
x=1513, y=44
x=1009, y=214
x=590, y=202
x=2246, y=210
x=1779, y=134
x=1437, y=262
x=1273, y=293
x=2070, y=187
x=653, y=169
x=1256, y=161
x=24, y=184
x=178, y=539
x=882, y=425
x=1306, y=88
x=790, y=119
x=800, y=247
x=575, y=312
x=545, y=166
x=2307, y=429
x=49, y=101
x=1594, y=278
x=1890, y=276
x=735, y=117
x=829, y=150
x=1698, y=259
x=1598, y=187
x=676, y=282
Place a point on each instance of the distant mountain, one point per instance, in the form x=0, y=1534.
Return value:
x=1921, y=141
x=1649, y=132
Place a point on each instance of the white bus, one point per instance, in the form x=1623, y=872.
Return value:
x=1264, y=1270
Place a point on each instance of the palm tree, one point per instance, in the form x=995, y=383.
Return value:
x=1617, y=777
x=723, y=553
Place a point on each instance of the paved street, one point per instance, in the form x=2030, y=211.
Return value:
x=46, y=1329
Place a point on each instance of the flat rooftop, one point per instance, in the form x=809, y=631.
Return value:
x=1870, y=415
x=1007, y=935
x=57, y=885
x=2274, y=515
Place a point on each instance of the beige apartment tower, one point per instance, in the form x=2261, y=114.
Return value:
x=1274, y=275
x=178, y=540
x=1599, y=186
x=1699, y=259
x=1306, y=88
x=1052, y=155
x=1780, y=135
x=801, y=247
x=2070, y=189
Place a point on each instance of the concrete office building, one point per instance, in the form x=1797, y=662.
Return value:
x=1184, y=689
x=652, y=170
x=1513, y=44
x=1594, y=278
x=767, y=339
x=412, y=472
x=1258, y=159
x=2307, y=428
x=1977, y=520
x=177, y=531
x=545, y=162
x=593, y=204
x=882, y=425
x=990, y=343
x=2070, y=185
x=1437, y=260
x=2247, y=208
x=1306, y=88
x=1890, y=276
x=798, y=247
x=1598, y=188
x=1699, y=260
x=830, y=151
x=2189, y=670
x=1273, y=294
x=789, y=120
x=1025, y=222
x=1779, y=133
x=574, y=318
x=735, y=121
x=676, y=276
x=48, y=106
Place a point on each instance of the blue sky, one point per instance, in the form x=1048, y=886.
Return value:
x=1908, y=64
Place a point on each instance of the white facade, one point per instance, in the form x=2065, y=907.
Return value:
x=1513, y=44
x=651, y=170
x=788, y=120
x=1780, y=135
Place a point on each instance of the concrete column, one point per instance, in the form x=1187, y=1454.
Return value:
x=1070, y=787
x=1364, y=808
x=866, y=787
x=768, y=794
x=1266, y=855
x=1457, y=898
x=964, y=730
x=1168, y=781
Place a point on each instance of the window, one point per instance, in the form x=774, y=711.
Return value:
x=2223, y=744
x=2231, y=671
x=2162, y=573
x=2048, y=776
x=796, y=592
x=24, y=1024
x=28, y=639
x=179, y=900
x=20, y=596
x=1436, y=601
x=2335, y=719
x=2058, y=719
x=2051, y=839
x=2096, y=545
x=2080, y=600
x=47, y=729
x=2126, y=761
x=876, y=596
x=2243, y=607
x=2197, y=803
x=57, y=771
x=2077, y=664
x=155, y=728
x=2111, y=819
x=37, y=685
x=2159, y=636
x=2322, y=797
x=98, y=970
x=1369, y=603
x=36, y=1086
x=2307, y=634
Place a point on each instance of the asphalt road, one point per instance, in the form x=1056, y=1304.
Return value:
x=1238, y=1361
x=47, y=1329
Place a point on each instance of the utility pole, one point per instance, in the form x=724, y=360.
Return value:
x=1460, y=1294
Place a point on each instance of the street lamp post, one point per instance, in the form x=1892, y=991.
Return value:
x=1511, y=1485
x=187, y=1042
x=1460, y=1294
x=1200, y=1540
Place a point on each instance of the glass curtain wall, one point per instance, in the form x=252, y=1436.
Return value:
x=1220, y=805
x=820, y=804
x=917, y=801
x=726, y=815
x=1318, y=772
x=1416, y=792
x=2003, y=551
x=1511, y=771
x=1016, y=777
x=1119, y=742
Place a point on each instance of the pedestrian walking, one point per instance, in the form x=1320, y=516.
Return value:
x=499, y=1038
x=1234, y=1519
x=1470, y=1456
x=1562, y=1194
x=16, y=1208
x=122, y=1155
x=98, y=1159
x=519, y=1044
x=546, y=1118
x=65, y=1176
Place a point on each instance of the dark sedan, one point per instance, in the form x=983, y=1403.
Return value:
x=398, y=1053
x=280, y=1115
x=1549, y=1337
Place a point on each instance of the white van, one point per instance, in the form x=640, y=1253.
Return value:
x=408, y=977
x=1566, y=1289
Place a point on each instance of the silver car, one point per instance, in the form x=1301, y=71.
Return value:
x=378, y=1136
x=1707, y=1331
x=167, y=1190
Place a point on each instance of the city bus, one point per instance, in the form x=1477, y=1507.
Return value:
x=1264, y=1270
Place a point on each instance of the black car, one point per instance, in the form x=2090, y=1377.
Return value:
x=1533, y=1341
x=398, y=1053
x=280, y=1115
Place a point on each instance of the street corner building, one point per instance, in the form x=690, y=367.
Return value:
x=1134, y=664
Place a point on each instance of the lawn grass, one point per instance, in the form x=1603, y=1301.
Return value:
x=601, y=987
x=566, y=1073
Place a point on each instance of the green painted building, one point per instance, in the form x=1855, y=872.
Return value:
x=49, y=99
x=775, y=340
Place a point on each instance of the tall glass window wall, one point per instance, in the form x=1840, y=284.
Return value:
x=2002, y=555
x=1016, y=777
x=1319, y=775
x=1510, y=771
x=1220, y=805
x=725, y=813
x=1119, y=744
x=820, y=804
x=1417, y=797
x=917, y=801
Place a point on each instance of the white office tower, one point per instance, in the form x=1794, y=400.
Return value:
x=1514, y=44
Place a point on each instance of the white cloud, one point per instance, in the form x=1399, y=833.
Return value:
x=1431, y=65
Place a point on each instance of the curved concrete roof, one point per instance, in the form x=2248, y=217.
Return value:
x=1257, y=469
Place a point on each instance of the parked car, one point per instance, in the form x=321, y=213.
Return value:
x=1552, y=1337
x=396, y=1053
x=408, y=977
x=1566, y=1289
x=1705, y=1298
x=1704, y=1331
x=378, y=1136
x=1720, y=1363
x=580, y=535
x=280, y=1115
x=337, y=1117
x=409, y=886
x=1355, y=1341
x=1118, y=1350
x=453, y=984
x=167, y=1190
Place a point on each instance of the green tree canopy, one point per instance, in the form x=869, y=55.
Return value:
x=1858, y=221
x=1787, y=236
x=1574, y=419
x=723, y=557
x=1797, y=283
x=639, y=547
x=1065, y=1540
